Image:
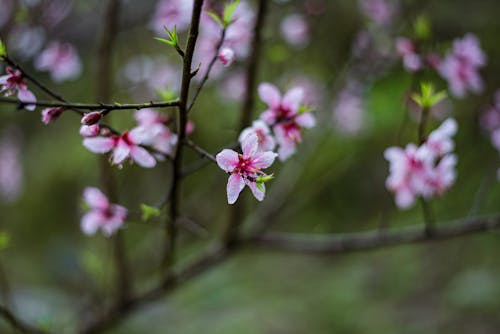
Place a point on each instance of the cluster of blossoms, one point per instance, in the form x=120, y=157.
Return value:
x=490, y=122
x=286, y=120
x=382, y=12
x=424, y=171
x=102, y=214
x=459, y=67
x=152, y=131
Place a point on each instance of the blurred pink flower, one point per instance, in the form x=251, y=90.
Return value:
x=102, y=215
x=54, y=11
x=381, y=12
x=348, y=111
x=244, y=169
x=461, y=66
x=406, y=48
x=233, y=87
x=424, y=171
x=11, y=169
x=266, y=141
x=295, y=30
x=61, y=60
x=26, y=41
x=153, y=131
x=6, y=12
x=126, y=145
x=170, y=14
x=13, y=83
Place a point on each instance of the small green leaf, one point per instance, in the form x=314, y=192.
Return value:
x=166, y=41
x=3, y=51
x=4, y=240
x=149, y=212
x=229, y=11
x=304, y=109
x=438, y=97
x=260, y=186
x=216, y=18
x=166, y=94
x=264, y=178
x=428, y=98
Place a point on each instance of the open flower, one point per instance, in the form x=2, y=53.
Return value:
x=13, y=83
x=153, y=131
x=123, y=146
x=246, y=168
x=424, y=171
x=102, y=215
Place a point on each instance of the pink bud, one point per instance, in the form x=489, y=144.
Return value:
x=189, y=128
x=89, y=130
x=226, y=56
x=91, y=118
x=51, y=114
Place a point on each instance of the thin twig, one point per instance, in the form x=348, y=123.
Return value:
x=209, y=69
x=202, y=152
x=93, y=106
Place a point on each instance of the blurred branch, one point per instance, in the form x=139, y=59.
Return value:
x=17, y=324
x=182, y=119
x=94, y=106
x=336, y=244
x=104, y=83
x=209, y=69
x=203, y=153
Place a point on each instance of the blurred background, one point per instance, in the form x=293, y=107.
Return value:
x=343, y=53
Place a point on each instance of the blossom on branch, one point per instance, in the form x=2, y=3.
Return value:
x=123, y=146
x=51, y=114
x=13, y=83
x=102, y=215
x=246, y=168
x=424, y=171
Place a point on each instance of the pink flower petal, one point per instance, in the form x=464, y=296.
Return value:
x=121, y=152
x=293, y=98
x=99, y=144
x=91, y=221
x=270, y=95
x=24, y=95
x=95, y=198
x=257, y=193
x=227, y=160
x=142, y=157
x=235, y=185
x=306, y=120
x=249, y=145
x=263, y=159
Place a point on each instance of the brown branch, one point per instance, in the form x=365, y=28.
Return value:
x=92, y=106
x=202, y=152
x=17, y=324
x=336, y=244
x=182, y=119
x=209, y=69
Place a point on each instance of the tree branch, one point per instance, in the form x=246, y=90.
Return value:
x=202, y=152
x=352, y=242
x=18, y=324
x=93, y=106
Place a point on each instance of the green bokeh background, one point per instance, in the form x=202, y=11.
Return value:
x=337, y=182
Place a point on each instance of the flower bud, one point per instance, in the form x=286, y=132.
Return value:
x=91, y=118
x=226, y=56
x=89, y=130
x=51, y=114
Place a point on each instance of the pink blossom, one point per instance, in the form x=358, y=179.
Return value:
x=51, y=114
x=348, y=111
x=295, y=30
x=461, y=66
x=102, y=215
x=226, y=56
x=61, y=60
x=490, y=117
x=25, y=41
x=406, y=48
x=244, y=169
x=14, y=82
x=284, y=117
x=266, y=141
x=381, y=12
x=126, y=145
x=424, y=171
x=11, y=168
x=170, y=14
x=233, y=87
x=153, y=131
x=89, y=130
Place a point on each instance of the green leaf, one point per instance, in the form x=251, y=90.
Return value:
x=438, y=97
x=166, y=41
x=216, y=18
x=167, y=94
x=304, y=109
x=4, y=240
x=229, y=11
x=264, y=178
x=149, y=212
x=261, y=187
x=3, y=51
x=428, y=98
